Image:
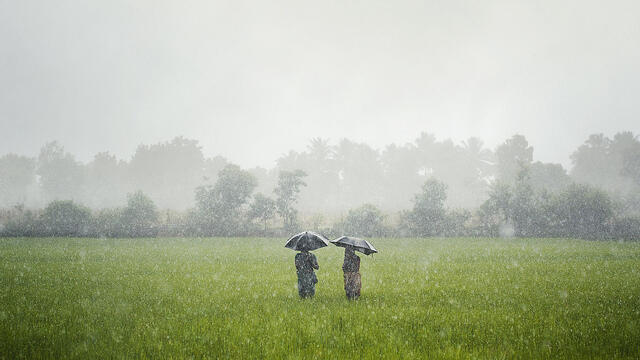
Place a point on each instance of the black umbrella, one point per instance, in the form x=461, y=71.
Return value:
x=358, y=244
x=306, y=241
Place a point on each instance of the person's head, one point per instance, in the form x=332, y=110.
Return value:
x=350, y=250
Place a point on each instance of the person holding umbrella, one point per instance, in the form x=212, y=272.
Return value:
x=351, y=269
x=305, y=261
x=351, y=264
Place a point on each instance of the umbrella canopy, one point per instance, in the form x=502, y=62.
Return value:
x=358, y=244
x=306, y=241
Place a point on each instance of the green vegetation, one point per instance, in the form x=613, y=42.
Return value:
x=421, y=298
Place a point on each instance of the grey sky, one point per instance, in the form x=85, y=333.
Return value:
x=252, y=80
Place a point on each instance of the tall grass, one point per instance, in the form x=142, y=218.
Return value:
x=421, y=298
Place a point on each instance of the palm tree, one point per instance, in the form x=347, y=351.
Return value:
x=319, y=149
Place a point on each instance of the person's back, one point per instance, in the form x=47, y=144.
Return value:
x=351, y=268
x=351, y=262
x=305, y=263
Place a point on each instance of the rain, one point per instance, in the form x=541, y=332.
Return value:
x=211, y=179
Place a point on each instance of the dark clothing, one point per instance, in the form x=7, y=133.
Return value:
x=351, y=262
x=352, y=285
x=351, y=268
x=305, y=264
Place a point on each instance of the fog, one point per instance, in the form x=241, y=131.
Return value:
x=251, y=81
x=475, y=109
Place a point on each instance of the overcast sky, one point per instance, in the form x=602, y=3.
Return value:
x=253, y=79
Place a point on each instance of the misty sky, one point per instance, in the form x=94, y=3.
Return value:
x=252, y=80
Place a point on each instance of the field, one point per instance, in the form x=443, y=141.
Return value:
x=435, y=298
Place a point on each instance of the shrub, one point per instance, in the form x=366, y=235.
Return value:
x=108, y=223
x=367, y=220
x=582, y=211
x=626, y=228
x=22, y=224
x=140, y=218
x=65, y=218
x=427, y=218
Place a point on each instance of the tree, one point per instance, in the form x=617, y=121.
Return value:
x=495, y=212
x=323, y=181
x=65, y=218
x=218, y=207
x=428, y=213
x=109, y=223
x=547, y=176
x=465, y=168
x=455, y=223
x=140, y=217
x=590, y=161
x=212, y=167
x=289, y=184
x=608, y=163
x=366, y=220
x=582, y=211
x=478, y=157
x=61, y=176
x=522, y=208
x=401, y=178
x=17, y=174
x=262, y=208
x=19, y=222
x=169, y=172
x=476, y=167
x=514, y=154
x=320, y=150
x=360, y=172
x=105, y=183
x=626, y=228
x=631, y=162
x=519, y=205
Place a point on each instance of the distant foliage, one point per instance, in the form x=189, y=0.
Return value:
x=66, y=218
x=549, y=177
x=140, y=217
x=456, y=223
x=18, y=222
x=512, y=155
x=428, y=215
x=108, y=223
x=610, y=164
x=366, y=220
x=219, y=207
x=289, y=186
x=61, y=176
x=427, y=187
x=626, y=228
x=169, y=171
x=17, y=174
x=582, y=211
x=579, y=211
x=263, y=208
x=631, y=162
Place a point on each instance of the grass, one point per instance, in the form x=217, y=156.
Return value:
x=236, y=298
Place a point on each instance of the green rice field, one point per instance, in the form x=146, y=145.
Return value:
x=237, y=298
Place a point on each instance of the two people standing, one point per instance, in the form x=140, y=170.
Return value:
x=306, y=263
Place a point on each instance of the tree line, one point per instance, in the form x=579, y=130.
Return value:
x=423, y=188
